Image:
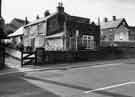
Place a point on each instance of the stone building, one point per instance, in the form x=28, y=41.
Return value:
x=62, y=32
x=61, y=35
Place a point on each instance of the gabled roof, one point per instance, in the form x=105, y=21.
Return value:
x=111, y=24
x=15, y=24
x=79, y=19
x=11, y=27
x=18, y=32
x=41, y=20
x=71, y=18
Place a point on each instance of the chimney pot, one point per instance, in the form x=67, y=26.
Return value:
x=46, y=13
x=114, y=18
x=105, y=19
x=26, y=20
x=37, y=17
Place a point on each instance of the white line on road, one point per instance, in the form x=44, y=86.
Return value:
x=106, y=65
x=21, y=70
x=110, y=87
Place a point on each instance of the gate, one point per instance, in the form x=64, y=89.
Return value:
x=28, y=58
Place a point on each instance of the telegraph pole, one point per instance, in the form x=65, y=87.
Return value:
x=2, y=36
x=0, y=7
x=2, y=22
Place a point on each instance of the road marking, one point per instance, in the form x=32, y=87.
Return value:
x=106, y=65
x=21, y=70
x=110, y=87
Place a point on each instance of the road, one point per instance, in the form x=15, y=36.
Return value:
x=89, y=79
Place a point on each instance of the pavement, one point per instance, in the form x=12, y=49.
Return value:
x=14, y=65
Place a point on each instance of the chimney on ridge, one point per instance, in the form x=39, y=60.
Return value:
x=37, y=17
x=46, y=13
x=105, y=19
x=60, y=8
x=26, y=20
x=114, y=18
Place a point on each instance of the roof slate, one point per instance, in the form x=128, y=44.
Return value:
x=111, y=24
x=14, y=25
x=18, y=32
x=40, y=20
x=70, y=17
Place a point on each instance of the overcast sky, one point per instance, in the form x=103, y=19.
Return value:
x=85, y=8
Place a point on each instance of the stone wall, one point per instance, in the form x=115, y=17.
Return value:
x=109, y=53
x=115, y=53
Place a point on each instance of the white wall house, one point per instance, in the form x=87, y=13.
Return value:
x=121, y=34
x=115, y=30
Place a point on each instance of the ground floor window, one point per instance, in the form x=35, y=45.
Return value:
x=88, y=41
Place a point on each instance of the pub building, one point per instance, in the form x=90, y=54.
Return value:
x=60, y=34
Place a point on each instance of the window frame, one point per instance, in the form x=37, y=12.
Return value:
x=88, y=39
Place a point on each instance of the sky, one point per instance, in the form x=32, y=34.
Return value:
x=85, y=8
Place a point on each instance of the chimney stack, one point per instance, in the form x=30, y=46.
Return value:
x=2, y=22
x=99, y=21
x=114, y=18
x=46, y=13
x=37, y=17
x=105, y=19
x=60, y=8
x=26, y=20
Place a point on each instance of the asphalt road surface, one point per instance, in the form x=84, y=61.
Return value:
x=109, y=79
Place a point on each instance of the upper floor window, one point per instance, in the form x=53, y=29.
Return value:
x=42, y=28
x=33, y=29
x=26, y=31
x=124, y=23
